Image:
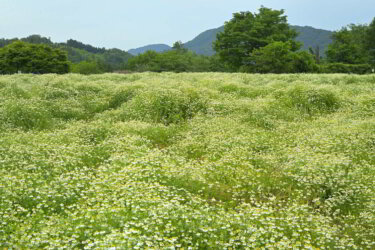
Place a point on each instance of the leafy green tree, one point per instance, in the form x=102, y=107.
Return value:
x=178, y=45
x=87, y=68
x=278, y=57
x=316, y=53
x=217, y=65
x=176, y=60
x=248, y=31
x=148, y=61
x=32, y=58
x=370, y=41
x=304, y=62
x=37, y=39
x=349, y=45
x=86, y=47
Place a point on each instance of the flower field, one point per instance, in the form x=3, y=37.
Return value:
x=187, y=161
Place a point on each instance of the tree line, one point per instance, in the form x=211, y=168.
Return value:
x=76, y=56
x=261, y=42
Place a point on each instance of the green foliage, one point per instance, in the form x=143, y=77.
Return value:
x=345, y=68
x=178, y=45
x=278, y=57
x=349, y=45
x=177, y=60
x=26, y=115
x=307, y=36
x=115, y=58
x=32, y=58
x=166, y=107
x=108, y=60
x=308, y=100
x=246, y=32
x=86, y=68
x=121, y=96
x=370, y=41
x=79, y=45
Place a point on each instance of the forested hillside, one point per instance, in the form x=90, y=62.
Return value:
x=312, y=37
x=309, y=36
x=202, y=44
x=104, y=59
x=153, y=47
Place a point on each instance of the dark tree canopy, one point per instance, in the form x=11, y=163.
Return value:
x=278, y=57
x=248, y=31
x=32, y=58
x=37, y=39
x=86, y=47
x=349, y=45
x=176, y=60
x=370, y=41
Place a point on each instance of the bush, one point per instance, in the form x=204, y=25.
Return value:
x=300, y=102
x=87, y=68
x=345, y=68
x=172, y=61
x=165, y=106
x=120, y=97
x=278, y=57
x=32, y=58
x=26, y=115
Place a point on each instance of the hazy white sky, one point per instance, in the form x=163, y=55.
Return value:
x=127, y=24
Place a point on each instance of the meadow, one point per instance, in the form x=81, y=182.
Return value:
x=187, y=161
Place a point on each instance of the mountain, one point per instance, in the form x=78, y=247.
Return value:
x=154, y=47
x=202, y=44
x=311, y=37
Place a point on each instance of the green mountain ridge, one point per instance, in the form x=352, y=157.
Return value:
x=312, y=37
x=202, y=44
x=153, y=47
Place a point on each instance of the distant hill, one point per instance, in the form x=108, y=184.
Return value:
x=311, y=37
x=202, y=44
x=154, y=47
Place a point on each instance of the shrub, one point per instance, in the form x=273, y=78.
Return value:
x=304, y=100
x=32, y=58
x=26, y=115
x=165, y=106
x=87, y=68
x=345, y=68
x=121, y=96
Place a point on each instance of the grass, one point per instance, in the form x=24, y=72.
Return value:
x=187, y=161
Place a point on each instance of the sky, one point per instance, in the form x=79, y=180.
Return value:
x=127, y=24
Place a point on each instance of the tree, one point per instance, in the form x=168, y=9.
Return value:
x=316, y=53
x=87, y=68
x=370, y=41
x=246, y=32
x=349, y=45
x=86, y=47
x=178, y=45
x=148, y=61
x=278, y=57
x=173, y=60
x=32, y=58
x=37, y=39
